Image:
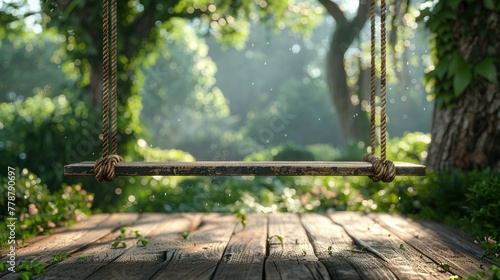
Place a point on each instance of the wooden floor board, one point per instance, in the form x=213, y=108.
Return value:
x=337, y=251
x=85, y=262
x=142, y=262
x=338, y=245
x=245, y=254
x=431, y=244
x=73, y=239
x=199, y=254
x=460, y=240
x=404, y=261
x=294, y=258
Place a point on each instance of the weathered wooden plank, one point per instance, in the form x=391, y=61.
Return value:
x=456, y=237
x=142, y=262
x=197, y=256
x=246, y=251
x=72, y=239
x=90, y=259
x=430, y=244
x=402, y=259
x=337, y=251
x=237, y=168
x=295, y=258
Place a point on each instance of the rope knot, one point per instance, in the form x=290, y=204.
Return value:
x=383, y=170
x=104, y=168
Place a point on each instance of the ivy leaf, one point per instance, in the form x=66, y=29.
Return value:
x=26, y=275
x=487, y=69
x=453, y=3
x=489, y=4
x=462, y=74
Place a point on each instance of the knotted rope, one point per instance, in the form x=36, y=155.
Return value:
x=383, y=169
x=104, y=168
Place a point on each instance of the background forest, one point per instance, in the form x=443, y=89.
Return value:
x=205, y=80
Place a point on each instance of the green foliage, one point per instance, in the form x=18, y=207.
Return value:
x=493, y=273
x=39, y=211
x=29, y=269
x=50, y=126
x=453, y=70
x=411, y=147
x=284, y=152
x=483, y=210
x=179, y=85
x=243, y=218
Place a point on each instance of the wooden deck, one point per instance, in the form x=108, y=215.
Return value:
x=340, y=245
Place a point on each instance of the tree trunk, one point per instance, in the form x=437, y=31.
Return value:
x=353, y=121
x=468, y=136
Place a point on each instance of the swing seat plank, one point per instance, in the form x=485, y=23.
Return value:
x=244, y=168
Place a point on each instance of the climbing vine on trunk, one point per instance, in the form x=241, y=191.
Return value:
x=464, y=83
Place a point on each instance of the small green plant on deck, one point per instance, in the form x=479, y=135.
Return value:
x=28, y=269
x=59, y=258
x=280, y=238
x=185, y=234
x=83, y=258
x=126, y=232
x=242, y=218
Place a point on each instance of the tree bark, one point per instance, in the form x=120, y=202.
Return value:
x=467, y=135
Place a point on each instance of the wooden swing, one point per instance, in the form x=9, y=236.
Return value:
x=111, y=165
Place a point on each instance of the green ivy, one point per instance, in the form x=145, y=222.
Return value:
x=452, y=73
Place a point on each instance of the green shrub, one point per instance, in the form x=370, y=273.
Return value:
x=39, y=211
x=483, y=207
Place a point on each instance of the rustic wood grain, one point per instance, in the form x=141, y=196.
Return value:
x=246, y=251
x=72, y=239
x=142, y=262
x=403, y=260
x=432, y=245
x=237, y=168
x=218, y=247
x=337, y=251
x=97, y=255
x=197, y=256
x=454, y=235
x=295, y=258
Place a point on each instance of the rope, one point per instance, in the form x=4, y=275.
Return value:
x=383, y=80
x=372, y=78
x=383, y=169
x=105, y=77
x=104, y=168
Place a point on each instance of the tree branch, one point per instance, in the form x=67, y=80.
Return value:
x=334, y=10
x=360, y=19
